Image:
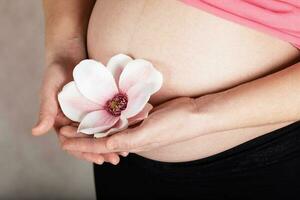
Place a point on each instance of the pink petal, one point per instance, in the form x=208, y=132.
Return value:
x=116, y=65
x=138, y=96
x=97, y=121
x=141, y=115
x=119, y=126
x=140, y=71
x=73, y=104
x=94, y=81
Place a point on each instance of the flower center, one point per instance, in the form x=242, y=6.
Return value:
x=118, y=103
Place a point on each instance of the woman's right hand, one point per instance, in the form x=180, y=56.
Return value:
x=58, y=73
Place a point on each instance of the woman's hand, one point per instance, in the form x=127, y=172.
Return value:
x=70, y=131
x=58, y=73
x=170, y=122
x=65, y=35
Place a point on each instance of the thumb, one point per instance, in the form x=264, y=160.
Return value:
x=48, y=112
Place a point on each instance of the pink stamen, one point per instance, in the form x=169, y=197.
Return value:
x=117, y=104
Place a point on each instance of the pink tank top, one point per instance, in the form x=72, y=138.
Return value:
x=280, y=18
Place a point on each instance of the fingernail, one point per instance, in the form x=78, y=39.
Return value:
x=124, y=154
x=115, y=161
x=100, y=162
x=34, y=130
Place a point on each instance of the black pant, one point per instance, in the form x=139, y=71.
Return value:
x=267, y=167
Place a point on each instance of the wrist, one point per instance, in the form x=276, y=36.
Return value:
x=206, y=112
x=67, y=51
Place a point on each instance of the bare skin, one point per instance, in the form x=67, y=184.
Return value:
x=66, y=29
x=194, y=57
x=200, y=56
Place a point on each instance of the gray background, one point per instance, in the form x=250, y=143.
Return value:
x=30, y=167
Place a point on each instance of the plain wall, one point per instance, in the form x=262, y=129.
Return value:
x=30, y=167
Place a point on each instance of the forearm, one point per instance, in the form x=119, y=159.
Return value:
x=268, y=100
x=65, y=28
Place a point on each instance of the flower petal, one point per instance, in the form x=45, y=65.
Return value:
x=116, y=64
x=140, y=71
x=94, y=81
x=141, y=115
x=97, y=121
x=73, y=104
x=138, y=96
x=119, y=126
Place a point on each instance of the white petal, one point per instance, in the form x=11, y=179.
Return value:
x=122, y=124
x=73, y=104
x=116, y=65
x=141, y=115
x=138, y=96
x=97, y=121
x=94, y=81
x=140, y=71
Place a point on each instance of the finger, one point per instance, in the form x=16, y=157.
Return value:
x=127, y=140
x=45, y=123
x=76, y=154
x=112, y=158
x=92, y=157
x=91, y=145
x=71, y=132
x=124, y=153
x=99, y=159
x=48, y=110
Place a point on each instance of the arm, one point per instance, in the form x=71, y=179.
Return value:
x=65, y=29
x=272, y=99
x=66, y=24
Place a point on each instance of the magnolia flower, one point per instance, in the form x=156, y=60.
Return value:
x=108, y=99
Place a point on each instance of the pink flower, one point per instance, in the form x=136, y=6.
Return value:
x=106, y=100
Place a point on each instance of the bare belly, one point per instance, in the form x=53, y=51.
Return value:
x=197, y=54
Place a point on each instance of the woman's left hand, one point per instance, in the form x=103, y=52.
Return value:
x=173, y=121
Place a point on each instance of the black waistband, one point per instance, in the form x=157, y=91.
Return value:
x=268, y=149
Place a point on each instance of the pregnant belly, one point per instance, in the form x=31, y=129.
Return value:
x=196, y=52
